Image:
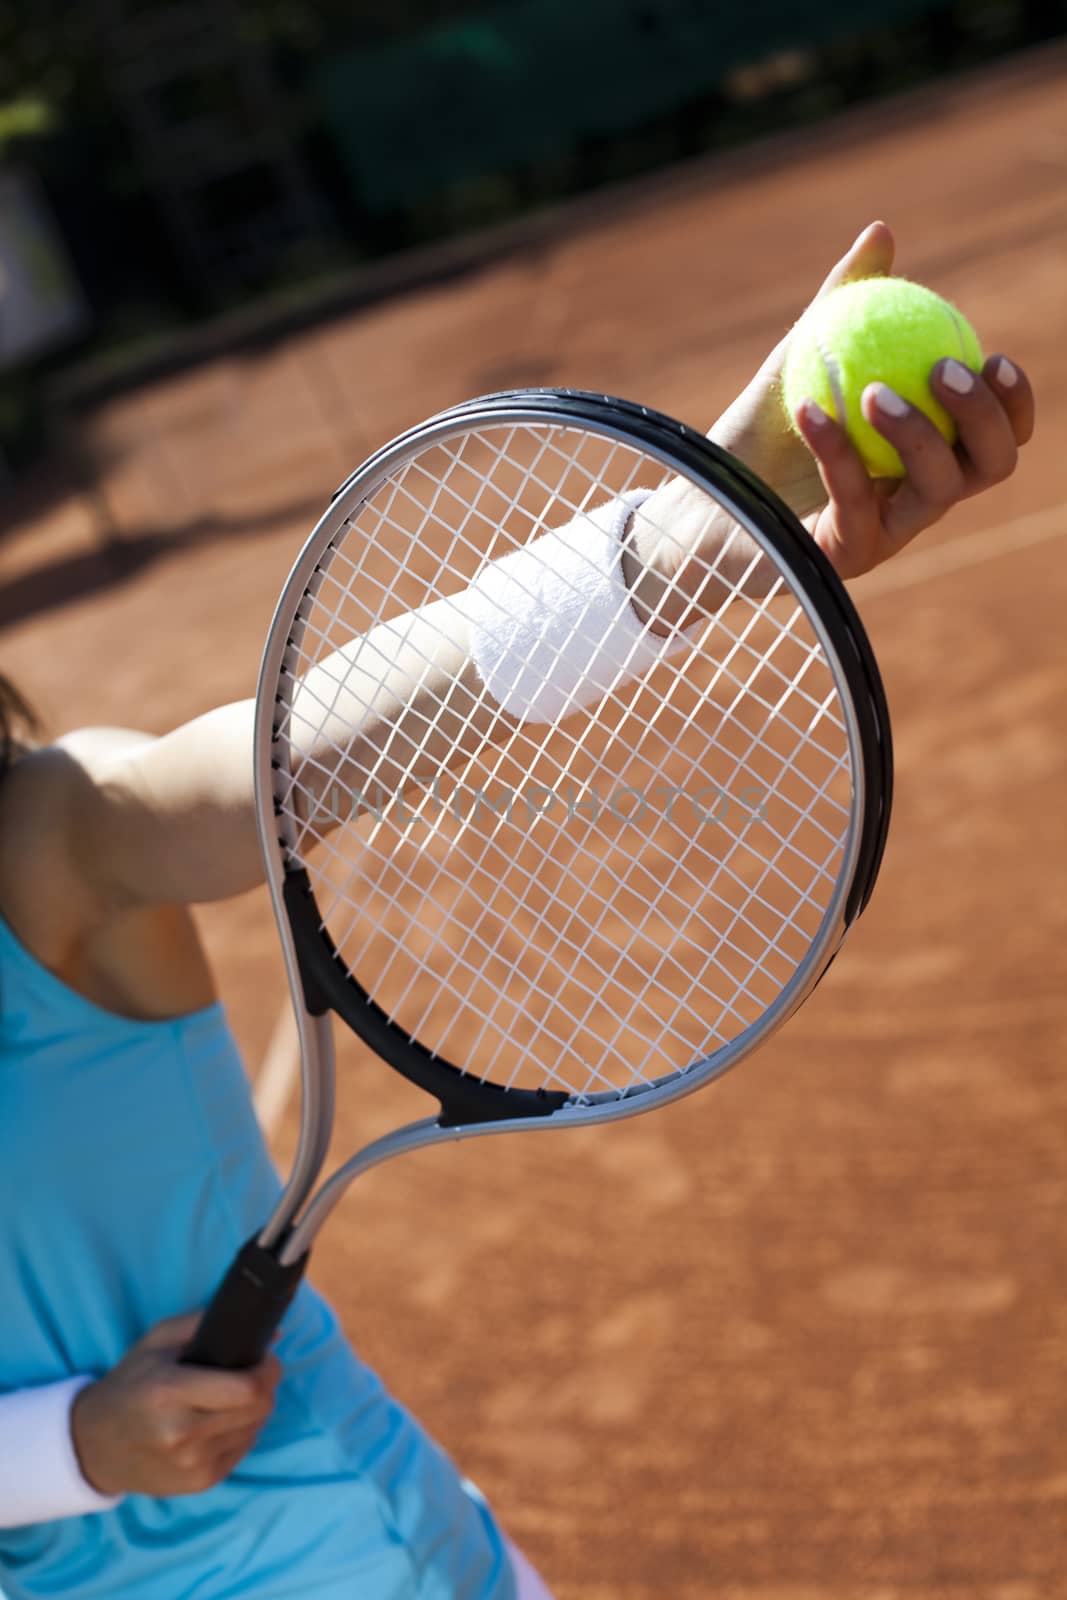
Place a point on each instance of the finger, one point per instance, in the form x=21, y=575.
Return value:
x=204, y=1389
x=265, y=1378
x=933, y=479
x=201, y=1452
x=988, y=451
x=230, y=1454
x=269, y=1372
x=869, y=256
x=1012, y=388
x=856, y=524
x=213, y=1428
x=262, y=1382
x=172, y=1332
x=261, y=1385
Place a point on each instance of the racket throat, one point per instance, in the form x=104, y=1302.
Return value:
x=464, y=1099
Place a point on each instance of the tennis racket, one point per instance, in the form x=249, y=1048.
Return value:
x=572, y=769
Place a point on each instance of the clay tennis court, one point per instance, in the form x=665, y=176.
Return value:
x=801, y=1337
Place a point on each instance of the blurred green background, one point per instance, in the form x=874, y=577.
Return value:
x=167, y=162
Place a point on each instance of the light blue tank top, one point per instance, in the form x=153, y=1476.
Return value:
x=131, y=1169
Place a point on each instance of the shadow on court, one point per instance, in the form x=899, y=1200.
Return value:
x=802, y=1336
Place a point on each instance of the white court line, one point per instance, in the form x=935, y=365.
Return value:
x=905, y=570
x=279, y=1070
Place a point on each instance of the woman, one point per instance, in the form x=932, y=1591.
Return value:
x=132, y=1165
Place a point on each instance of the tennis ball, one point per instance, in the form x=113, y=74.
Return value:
x=886, y=330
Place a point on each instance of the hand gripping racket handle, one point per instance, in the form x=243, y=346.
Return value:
x=246, y=1309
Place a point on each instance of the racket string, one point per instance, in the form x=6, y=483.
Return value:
x=744, y=689
x=576, y=935
x=458, y=959
x=807, y=861
x=763, y=659
x=720, y=866
x=606, y=976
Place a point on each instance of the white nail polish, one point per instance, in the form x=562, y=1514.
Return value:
x=955, y=376
x=887, y=400
x=1006, y=375
x=815, y=413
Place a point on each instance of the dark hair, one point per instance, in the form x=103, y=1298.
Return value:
x=16, y=716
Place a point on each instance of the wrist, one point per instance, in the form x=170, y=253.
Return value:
x=84, y=1437
x=685, y=557
x=553, y=626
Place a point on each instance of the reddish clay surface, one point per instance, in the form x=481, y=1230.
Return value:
x=802, y=1337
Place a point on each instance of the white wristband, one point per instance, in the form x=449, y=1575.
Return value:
x=552, y=628
x=40, y=1479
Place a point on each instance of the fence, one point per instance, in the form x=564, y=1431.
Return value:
x=533, y=80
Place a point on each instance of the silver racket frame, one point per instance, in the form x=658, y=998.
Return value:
x=291, y=1239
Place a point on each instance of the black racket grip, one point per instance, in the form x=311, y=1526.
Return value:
x=247, y=1306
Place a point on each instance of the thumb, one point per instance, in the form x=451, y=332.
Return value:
x=172, y=1332
x=869, y=256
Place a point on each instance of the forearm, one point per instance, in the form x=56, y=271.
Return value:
x=174, y=820
x=398, y=702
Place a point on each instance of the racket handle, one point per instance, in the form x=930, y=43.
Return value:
x=247, y=1307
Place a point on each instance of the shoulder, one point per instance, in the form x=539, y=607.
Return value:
x=144, y=961
x=41, y=895
x=95, y=747
x=41, y=798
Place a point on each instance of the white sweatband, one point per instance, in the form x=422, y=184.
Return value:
x=40, y=1479
x=552, y=627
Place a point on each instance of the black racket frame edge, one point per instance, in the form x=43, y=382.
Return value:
x=249, y=1304
x=755, y=499
x=327, y=983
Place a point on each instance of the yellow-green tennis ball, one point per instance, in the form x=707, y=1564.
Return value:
x=886, y=330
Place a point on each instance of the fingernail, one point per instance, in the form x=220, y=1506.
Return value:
x=814, y=414
x=887, y=400
x=955, y=376
x=1006, y=374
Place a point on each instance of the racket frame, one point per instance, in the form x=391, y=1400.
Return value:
x=318, y=983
